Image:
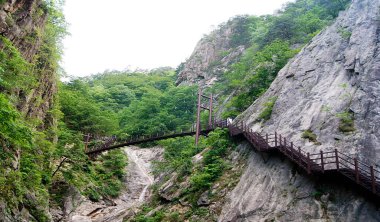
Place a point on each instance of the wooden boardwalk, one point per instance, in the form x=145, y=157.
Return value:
x=363, y=174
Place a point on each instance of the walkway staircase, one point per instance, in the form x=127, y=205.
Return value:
x=359, y=172
x=113, y=143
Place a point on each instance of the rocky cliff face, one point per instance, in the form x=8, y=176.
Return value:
x=23, y=23
x=335, y=76
x=214, y=53
x=330, y=89
x=138, y=180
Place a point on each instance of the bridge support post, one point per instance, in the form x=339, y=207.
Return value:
x=356, y=170
x=198, y=129
x=336, y=159
x=210, y=114
x=86, y=142
x=322, y=163
x=373, y=181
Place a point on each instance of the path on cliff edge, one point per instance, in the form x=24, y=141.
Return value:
x=138, y=179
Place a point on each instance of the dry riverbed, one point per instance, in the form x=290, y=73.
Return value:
x=137, y=182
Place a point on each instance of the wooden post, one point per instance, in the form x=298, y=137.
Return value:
x=280, y=141
x=86, y=143
x=373, y=181
x=266, y=138
x=308, y=163
x=198, y=117
x=210, y=114
x=337, y=159
x=299, y=153
x=356, y=170
x=285, y=143
x=275, y=139
x=322, y=164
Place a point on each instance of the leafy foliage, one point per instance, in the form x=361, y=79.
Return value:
x=267, y=111
x=82, y=113
x=128, y=104
x=177, y=155
x=274, y=40
x=14, y=69
x=213, y=163
x=308, y=134
x=14, y=134
x=346, y=123
x=33, y=165
x=254, y=74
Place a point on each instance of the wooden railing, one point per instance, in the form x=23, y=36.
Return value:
x=361, y=173
x=110, y=143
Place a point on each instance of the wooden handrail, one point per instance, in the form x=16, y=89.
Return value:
x=361, y=173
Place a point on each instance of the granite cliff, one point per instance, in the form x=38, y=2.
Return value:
x=28, y=85
x=215, y=52
x=331, y=90
x=325, y=98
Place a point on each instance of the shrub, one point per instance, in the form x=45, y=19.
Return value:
x=346, y=123
x=344, y=33
x=212, y=160
x=268, y=107
x=308, y=134
x=173, y=217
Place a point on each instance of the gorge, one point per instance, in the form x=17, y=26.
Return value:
x=309, y=72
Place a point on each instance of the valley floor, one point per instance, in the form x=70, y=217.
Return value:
x=137, y=181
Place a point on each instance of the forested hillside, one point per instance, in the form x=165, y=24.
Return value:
x=128, y=103
x=28, y=108
x=274, y=39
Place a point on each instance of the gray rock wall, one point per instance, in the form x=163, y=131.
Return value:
x=212, y=55
x=337, y=72
x=273, y=189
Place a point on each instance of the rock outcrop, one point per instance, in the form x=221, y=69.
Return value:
x=334, y=77
x=23, y=23
x=214, y=53
x=274, y=189
x=330, y=89
x=138, y=180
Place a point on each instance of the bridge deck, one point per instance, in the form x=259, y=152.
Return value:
x=359, y=172
x=145, y=140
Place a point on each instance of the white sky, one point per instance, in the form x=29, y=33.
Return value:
x=117, y=34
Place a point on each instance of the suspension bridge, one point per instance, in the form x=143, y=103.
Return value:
x=359, y=172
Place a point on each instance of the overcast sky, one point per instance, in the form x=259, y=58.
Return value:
x=117, y=34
